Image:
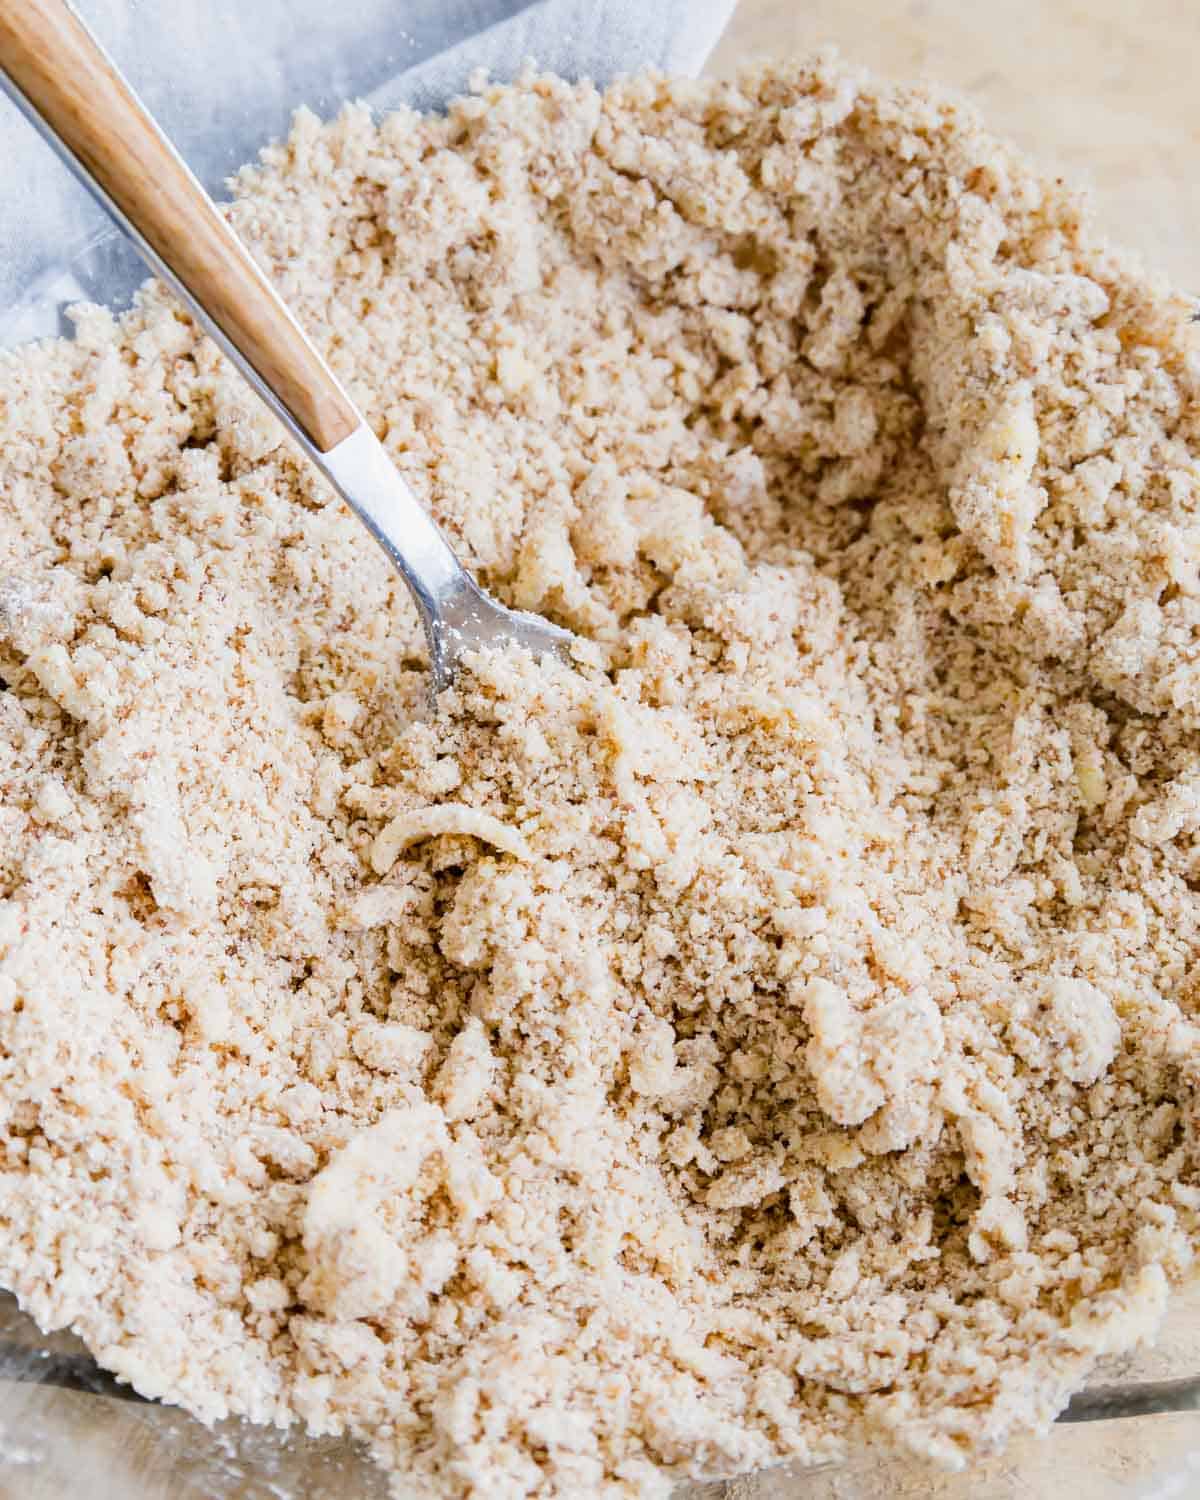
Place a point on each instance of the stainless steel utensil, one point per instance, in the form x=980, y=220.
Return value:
x=70, y=90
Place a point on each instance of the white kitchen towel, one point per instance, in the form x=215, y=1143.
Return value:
x=223, y=77
x=574, y=38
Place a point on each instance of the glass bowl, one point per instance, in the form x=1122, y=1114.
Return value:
x=1098, y=90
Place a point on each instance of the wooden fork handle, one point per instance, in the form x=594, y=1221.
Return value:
x=74, y=93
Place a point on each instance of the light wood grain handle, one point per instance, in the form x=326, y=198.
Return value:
x=66, y=78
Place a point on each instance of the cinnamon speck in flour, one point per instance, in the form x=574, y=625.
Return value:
x=776, y=1031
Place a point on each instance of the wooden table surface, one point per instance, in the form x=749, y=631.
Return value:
x=1105, y=91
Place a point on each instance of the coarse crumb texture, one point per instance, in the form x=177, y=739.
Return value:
x=776, y=1031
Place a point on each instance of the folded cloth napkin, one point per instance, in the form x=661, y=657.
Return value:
x=574, y=38
x=223, y=77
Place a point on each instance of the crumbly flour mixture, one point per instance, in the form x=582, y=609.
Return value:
x=777, y=1031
